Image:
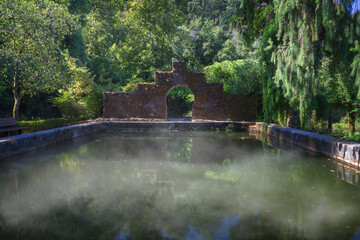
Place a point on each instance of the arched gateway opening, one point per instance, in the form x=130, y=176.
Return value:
x=179, y=103
x=149, y=100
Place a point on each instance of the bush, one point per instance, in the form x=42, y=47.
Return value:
x=317, y=125
x=340, y=129
x=39, y=125
x=239, y=77
x=94, y=104
x=355, y=137
x=70, y=107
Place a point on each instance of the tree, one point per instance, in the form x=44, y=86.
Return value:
x=300, y=36
x=147, y=32
x=101, y=31
x=239, y=77
x=82, y=97
x=200, y=42
x=31, y=35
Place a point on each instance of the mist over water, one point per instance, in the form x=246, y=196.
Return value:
x=174, y=185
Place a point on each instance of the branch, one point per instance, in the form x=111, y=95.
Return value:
x=8, y=83
x=258, y=4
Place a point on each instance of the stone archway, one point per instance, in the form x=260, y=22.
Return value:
x=179, y=103
x=149, y=100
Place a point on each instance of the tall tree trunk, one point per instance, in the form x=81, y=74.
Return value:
x=292, y=119
x=352, y=117
x=330, y=120
x=17, y=98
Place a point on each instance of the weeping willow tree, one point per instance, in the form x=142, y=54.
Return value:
x=300, y=40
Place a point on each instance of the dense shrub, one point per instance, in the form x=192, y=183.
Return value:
x=70, y=107
x=340, y=129
x=317, y=125
x=241, y=76
x=354, y=137
x=94, y=104
x=39, y=125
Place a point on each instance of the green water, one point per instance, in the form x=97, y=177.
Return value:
x=176, y=185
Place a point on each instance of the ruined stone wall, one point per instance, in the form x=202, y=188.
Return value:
x=149, y=100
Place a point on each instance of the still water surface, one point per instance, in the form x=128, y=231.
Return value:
x=175, y=185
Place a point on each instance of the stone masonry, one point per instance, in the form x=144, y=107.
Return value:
x=149, y=100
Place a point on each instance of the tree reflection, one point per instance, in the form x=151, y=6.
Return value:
x=180, y=150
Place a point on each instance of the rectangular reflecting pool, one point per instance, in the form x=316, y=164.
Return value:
x=174, y=185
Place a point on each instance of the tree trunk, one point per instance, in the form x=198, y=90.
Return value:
x=17, y=98
x=330, y=120
x=352, y=117
x=292, y=119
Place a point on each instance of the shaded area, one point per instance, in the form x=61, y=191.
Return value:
x=179, y=103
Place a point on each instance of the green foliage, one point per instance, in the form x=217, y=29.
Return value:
x=39, y=125
x=113, y=44
x=294, y=64
x=230, y=128
x=82, y=98
x=293, y=54
x=70, y=107
x=180, y=151
x=308, y=32
x=332, y=85
x=31, y=34
x=340, y=130
x=148, y=29
x=238, y=77
x=94, y=103
x=2, y=88
x=353, y=137
x=200, y=42
x=251, y=20
x=179, y=102
x=356, y=67
x=101, y=31
x=317, y=125
x=131, y=86
x=275, y=105
x=236, y=49
x=305, y=49
x=219, y=11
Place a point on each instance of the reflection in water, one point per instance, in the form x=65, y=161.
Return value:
x=175, y=186
x=356, y=235
x=193, y=235
x=226, y=225
x=343, y=171
x=122, y=236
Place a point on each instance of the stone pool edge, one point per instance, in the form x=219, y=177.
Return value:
x=14, y=145
x=342, y=150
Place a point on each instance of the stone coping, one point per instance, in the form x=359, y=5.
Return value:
x=342, y=150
